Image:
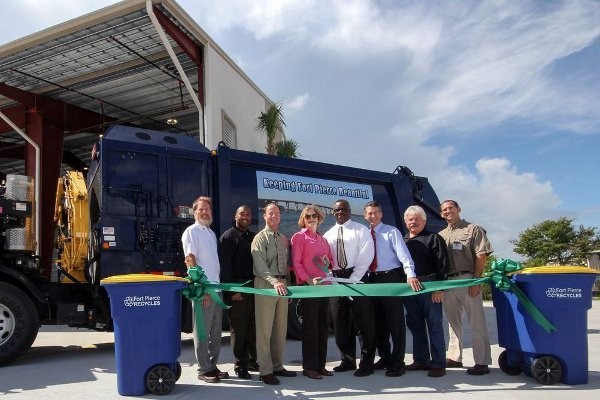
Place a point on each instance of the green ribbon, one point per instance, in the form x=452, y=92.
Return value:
x=199, y=286
x=498, y=276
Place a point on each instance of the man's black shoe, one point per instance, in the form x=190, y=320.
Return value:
x=252, y=366
x=363, y=372
x=395, y=372
x=284, y=372
x=345, y=366
x=417, y=367
x=478, y=369
x=269, y=379
x=379, y=365
x=436, y=372
x=243, y=374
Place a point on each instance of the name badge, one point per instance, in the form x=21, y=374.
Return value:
x=456, y=246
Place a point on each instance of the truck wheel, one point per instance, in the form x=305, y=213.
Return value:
x=19, y=323
x=294, y=326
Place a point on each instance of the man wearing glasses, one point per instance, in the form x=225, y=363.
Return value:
x=352, y=250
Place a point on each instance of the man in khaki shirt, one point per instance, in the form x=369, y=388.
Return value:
x=271, y=270
x=468, y=248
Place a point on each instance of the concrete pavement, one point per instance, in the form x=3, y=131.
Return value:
x=69, y=364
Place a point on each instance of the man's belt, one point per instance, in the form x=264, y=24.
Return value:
x=460, y=273
x=342, y=273
x=376, y=273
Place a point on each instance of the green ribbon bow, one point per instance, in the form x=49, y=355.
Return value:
x=198, y=287
x=498, y=276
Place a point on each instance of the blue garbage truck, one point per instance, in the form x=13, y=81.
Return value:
x=127, y=213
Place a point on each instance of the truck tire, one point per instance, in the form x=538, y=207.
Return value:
x=19, y=323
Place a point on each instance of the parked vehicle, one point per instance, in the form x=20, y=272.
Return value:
x=127, y=216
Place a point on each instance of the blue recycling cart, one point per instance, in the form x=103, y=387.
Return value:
x=146, y=313
x=563, y=295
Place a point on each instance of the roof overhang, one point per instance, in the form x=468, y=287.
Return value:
x=106, y=67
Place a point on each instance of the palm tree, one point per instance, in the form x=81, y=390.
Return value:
x=270, y=123
x=287, y=148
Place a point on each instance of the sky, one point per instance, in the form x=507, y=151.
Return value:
x=497, y=103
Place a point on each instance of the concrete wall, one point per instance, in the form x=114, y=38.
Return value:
x=227, y=91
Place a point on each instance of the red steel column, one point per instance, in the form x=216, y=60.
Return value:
x=49, y=137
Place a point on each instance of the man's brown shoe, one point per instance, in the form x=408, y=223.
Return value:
x=209, y=377
x=436, y=372
x=478, y=369
x=417, y=367
x=221, y=374
x=453, y=364
x=325, y=372
x=269, y=379
x=312, y=374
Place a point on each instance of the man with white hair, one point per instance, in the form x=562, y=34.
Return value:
x=424, y=316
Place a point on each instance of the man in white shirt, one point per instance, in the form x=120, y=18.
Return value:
x=352, y=250
x=392, y=264
x=200, y=248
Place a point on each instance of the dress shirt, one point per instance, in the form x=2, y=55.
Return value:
x=428, y=251
x=391, y=250
x=235, y=256
x=270, y=255
x=358, y=244
x=201, y=241
x=306, y=245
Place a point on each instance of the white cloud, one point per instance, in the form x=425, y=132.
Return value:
x=297, y=103
x=493, y=64
x=494, y=194
x=263, y=18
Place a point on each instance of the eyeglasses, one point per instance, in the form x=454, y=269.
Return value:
x=310, y=216
x=336, y=210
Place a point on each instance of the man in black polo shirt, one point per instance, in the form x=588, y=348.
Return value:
x=424, y=315
x=236, y=267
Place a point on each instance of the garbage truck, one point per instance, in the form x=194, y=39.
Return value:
x=127, y=212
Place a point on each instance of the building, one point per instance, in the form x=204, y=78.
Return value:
x=144, y=63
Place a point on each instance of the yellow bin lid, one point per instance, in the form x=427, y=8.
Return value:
x=559, y=269
x=141, y=278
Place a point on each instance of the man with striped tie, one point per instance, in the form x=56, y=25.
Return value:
x=352, y=249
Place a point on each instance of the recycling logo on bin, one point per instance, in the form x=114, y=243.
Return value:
x=141, y=301
x=564, y=293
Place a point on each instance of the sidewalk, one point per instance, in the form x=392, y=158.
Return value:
x=69, y=364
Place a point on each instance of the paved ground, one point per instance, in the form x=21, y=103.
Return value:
x=69, y=364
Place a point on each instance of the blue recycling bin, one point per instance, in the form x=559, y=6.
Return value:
x=563, y=295
x=146, y=313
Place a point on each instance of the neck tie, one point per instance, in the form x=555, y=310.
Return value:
x=373, y=265
x=281, y=262
x=341, y=252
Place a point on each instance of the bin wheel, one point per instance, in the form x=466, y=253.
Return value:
x=160, y=379
x=546, y=370
x=177, y=371
x=505, y=367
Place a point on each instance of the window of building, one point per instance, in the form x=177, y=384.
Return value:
x=229, y=131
